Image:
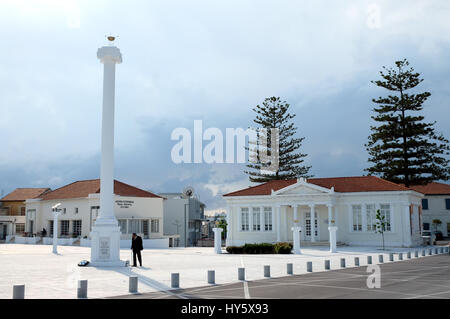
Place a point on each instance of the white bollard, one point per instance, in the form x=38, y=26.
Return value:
x=357, y=261
x=19, y=292
x=327, y=264
x=369, y=260
x=309, y=266
x=267, y=271
x=241, y=273
x=342, y=262
x=82, y=289
x=380, y=258
x=175, y=280
x=133, y=284
x=290, y=269
x=211, y=277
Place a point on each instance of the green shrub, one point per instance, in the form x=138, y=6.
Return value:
x=283, y=248
x=263, y=248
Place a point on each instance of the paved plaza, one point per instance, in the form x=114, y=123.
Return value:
x=46, y=275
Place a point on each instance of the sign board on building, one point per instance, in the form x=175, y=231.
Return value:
x=124, y=203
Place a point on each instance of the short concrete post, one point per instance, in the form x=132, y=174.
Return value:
x=430, y=252
x=408, y=255
x=400, y=256
x=380, y=258
x=369, y=260
x=175, y=280
x=391, y=256
x=241, y=273
x=423, y=252
x=327, y=264
x=357, y=261
x=290, y=269
x=435, y=251
x=309, y=266
x=416, y=253
x=19, y=292
x=267, y=271
x=211, y=277
x=441, y=250
x=342, y=262
x=446, y=249
x=82, y=289
x=133, y=284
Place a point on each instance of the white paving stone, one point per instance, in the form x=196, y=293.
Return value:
x=46, y=275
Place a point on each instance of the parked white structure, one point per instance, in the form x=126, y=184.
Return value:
x=435, y=205
x=136, y=210
x=268, y=212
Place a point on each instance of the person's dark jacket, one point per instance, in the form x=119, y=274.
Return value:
x=136, y=244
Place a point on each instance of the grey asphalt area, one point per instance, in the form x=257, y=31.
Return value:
x=416, y=278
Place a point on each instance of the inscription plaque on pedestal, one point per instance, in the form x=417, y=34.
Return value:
x=104, y=248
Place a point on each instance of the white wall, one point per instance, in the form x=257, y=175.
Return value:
x=436, y=210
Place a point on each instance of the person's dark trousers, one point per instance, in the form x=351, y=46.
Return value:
x=138, y=253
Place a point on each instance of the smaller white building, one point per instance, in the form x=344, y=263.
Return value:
x=268, y=212
x=435, y=205
x=137, y=211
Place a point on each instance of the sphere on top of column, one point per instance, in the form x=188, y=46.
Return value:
x=109, y=54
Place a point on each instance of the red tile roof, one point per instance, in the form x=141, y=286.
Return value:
x=340, y=184
x=433, y=188
x=22, y=194
x=82, y=189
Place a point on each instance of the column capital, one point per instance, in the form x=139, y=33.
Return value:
x=312, y=205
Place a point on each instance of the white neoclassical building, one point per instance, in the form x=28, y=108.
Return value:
x=268, y=212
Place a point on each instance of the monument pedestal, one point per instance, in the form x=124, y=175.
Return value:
x=105, y=245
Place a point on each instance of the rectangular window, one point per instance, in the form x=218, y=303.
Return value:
x=76, y=210
x=76, y=228
x=20, y=229
x=268, y=218
x=154, y=227
x=145, y=227
x=256, y=219
x=447, y=203
x=244, y=219
x=426, y=226
x=370, y=217
x=357, y=217
x=385, y=210
x=424, y=203
x=134, y=226
x=22, y=211
x=64, y=228
x=51, y=228
x=123, y=226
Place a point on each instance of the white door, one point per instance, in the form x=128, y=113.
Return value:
x=308, y=229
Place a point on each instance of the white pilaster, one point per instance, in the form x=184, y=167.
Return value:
x=229, y=227
x=313, y=222
x=278, y=218
x=407, y=229
x=332, y=229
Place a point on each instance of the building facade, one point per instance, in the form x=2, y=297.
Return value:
x=183, y=217
x=267, y=212
x=137, y=211
x=13, y=211
x=435, y=205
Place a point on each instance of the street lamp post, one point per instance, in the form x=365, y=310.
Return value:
x=56, y=212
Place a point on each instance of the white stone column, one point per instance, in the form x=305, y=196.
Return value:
x=278, y=218
x=295, y=214
x=217, y=240
x=105, y=235
x=332, y=228
x=313, y=223
x=296, y=238
x=407, y=229
x=229, y=227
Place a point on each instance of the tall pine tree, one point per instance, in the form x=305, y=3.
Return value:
x=274, y=114
x=403, y=148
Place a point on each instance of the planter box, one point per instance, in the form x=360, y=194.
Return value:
x=61, y=241
x=26, y=240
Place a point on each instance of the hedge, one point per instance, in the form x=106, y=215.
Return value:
x=263, y=248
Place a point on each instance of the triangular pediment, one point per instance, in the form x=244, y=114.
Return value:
x=302, y=188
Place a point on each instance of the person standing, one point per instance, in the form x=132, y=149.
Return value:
x=136, y=246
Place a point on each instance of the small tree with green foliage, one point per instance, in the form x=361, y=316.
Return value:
x=222, y=223
x=380, y=225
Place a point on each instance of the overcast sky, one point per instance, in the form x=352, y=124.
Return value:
x=210, y=60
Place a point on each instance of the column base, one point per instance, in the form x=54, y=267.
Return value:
x=105, y=245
